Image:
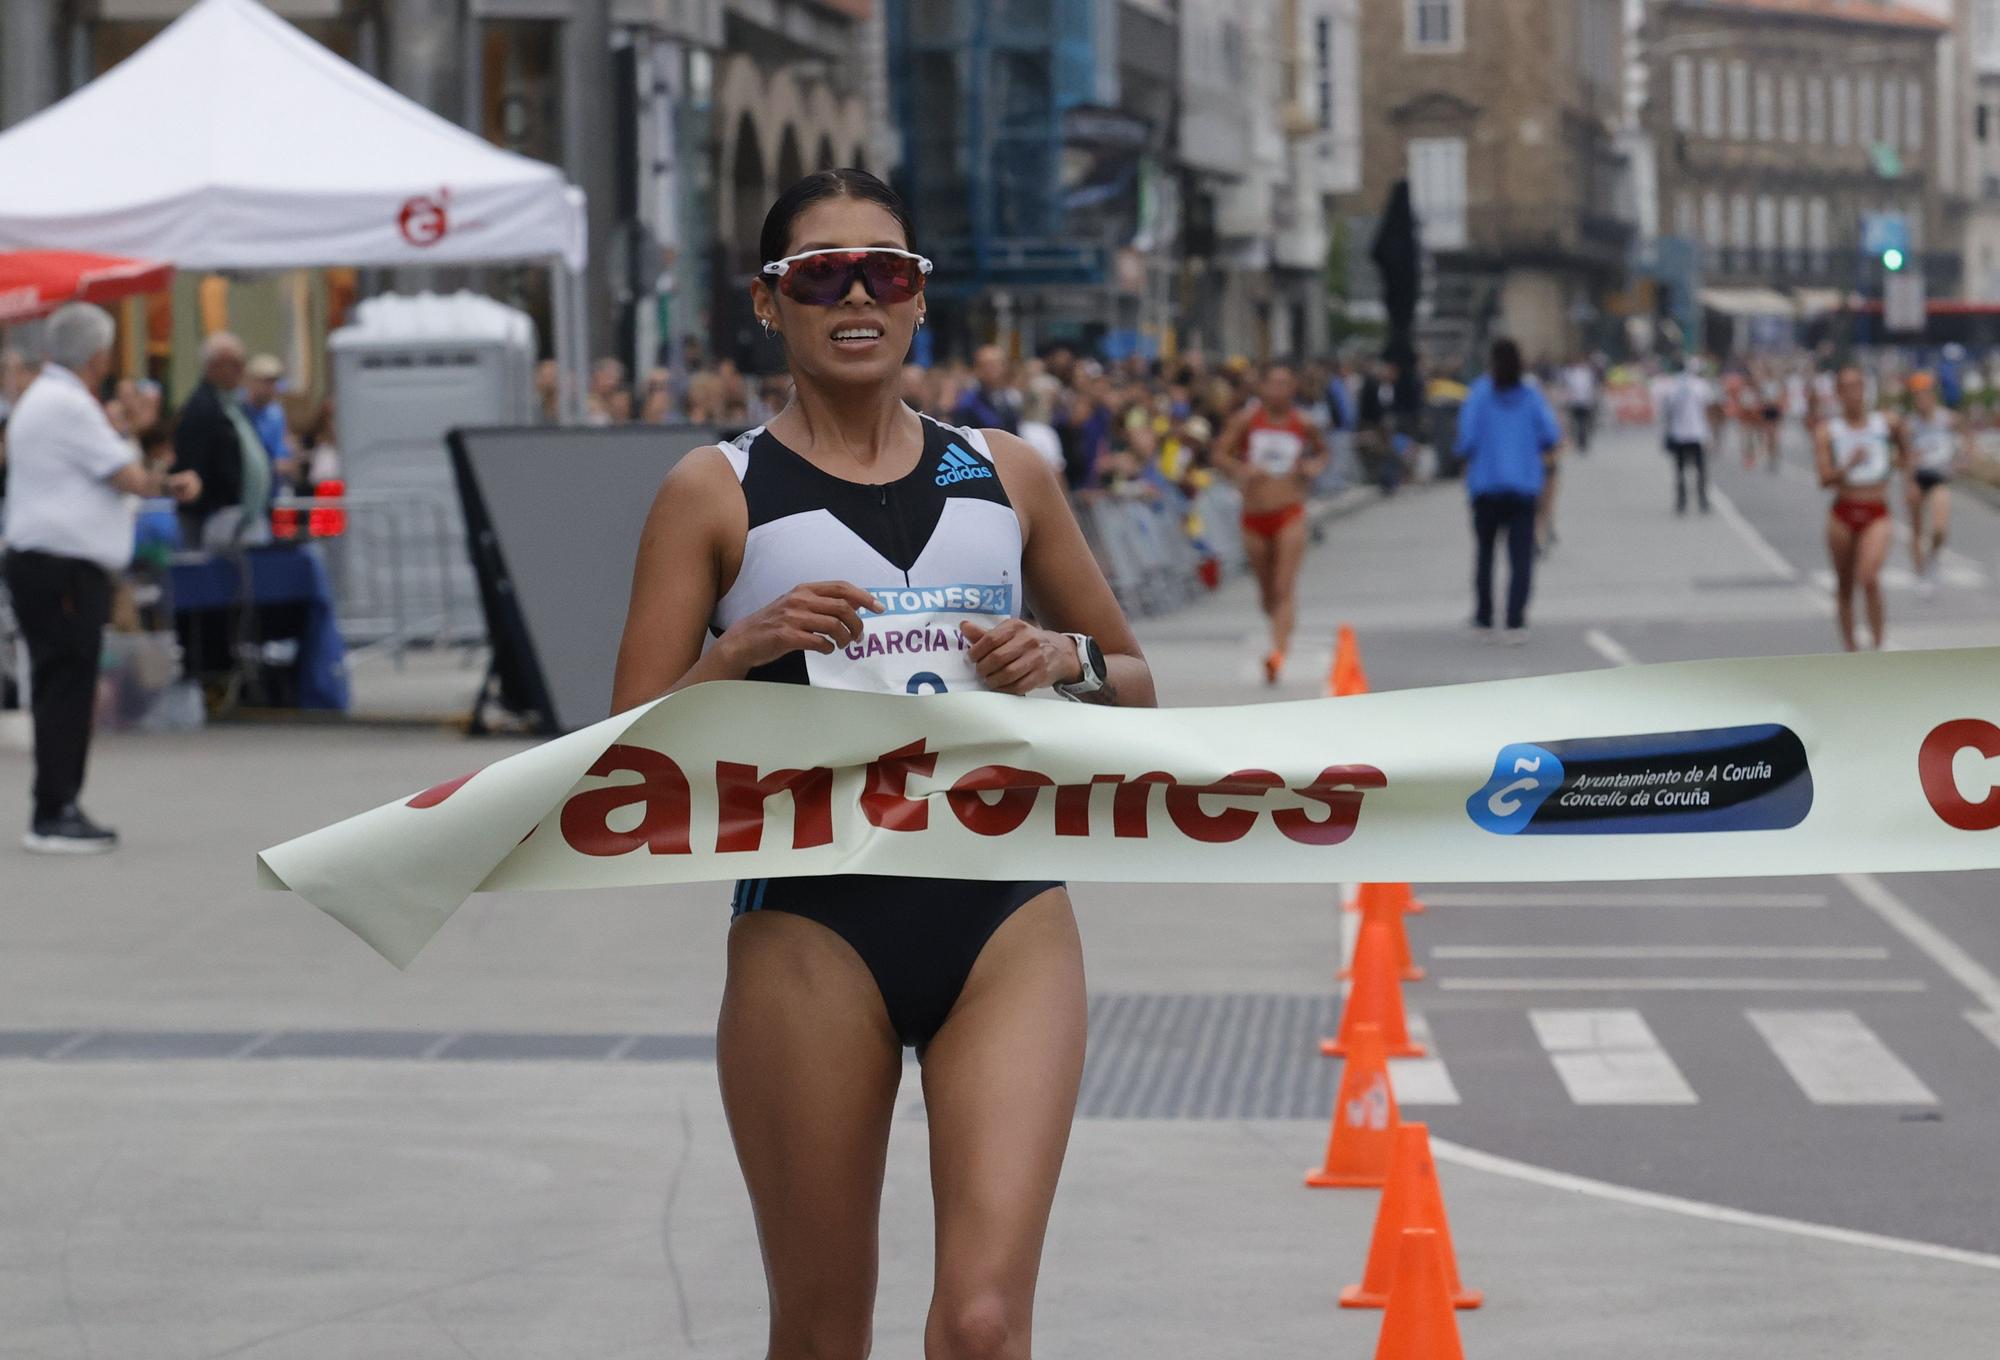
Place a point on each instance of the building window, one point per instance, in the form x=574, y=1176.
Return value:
x=1913, y=116
x=1767, y=222
x=1817, y=238
x=1892, y=115
x=1815, y=109
x=1739, y=101
x=1842, y=123
x=1766, y=112
x=1435, y=25
x=1864, y=110
x=1232, y=52
x=1792, y=229
x=1683, y=94
x=1711, y=98
x=1687, y=222
x=1437, y=190
x=1739, y=221
x=1711, y=218
x=1788, y=108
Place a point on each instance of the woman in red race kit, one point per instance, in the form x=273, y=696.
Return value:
x=781, y=556
x=1274, y=453
x=1859, y=452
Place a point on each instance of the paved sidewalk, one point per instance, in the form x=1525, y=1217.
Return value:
x=159, y=1205
x=543, y=1212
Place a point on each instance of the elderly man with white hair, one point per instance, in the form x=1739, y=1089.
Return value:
x=215, y=440
x=68, y=530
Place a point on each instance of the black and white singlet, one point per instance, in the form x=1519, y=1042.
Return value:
x=938, y=545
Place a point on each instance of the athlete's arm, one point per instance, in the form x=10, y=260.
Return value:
x=1228, y=448
x=1829, y=475
x=689, y=553
x=1069, y=592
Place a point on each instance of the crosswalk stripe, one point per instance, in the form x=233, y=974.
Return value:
x=1680, y=984
x=1610, y=1057
x=1628, y=899
x=1816, y=953
x=1987, y=1023
x=1837, y=1060
x=1422, y=1081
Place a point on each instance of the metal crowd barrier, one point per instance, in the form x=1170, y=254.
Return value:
x=1147, y=552
x=400, y=573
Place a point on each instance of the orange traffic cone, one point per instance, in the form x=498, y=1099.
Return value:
x=1411, y=1199
x=1347, y=677
x=1376, y=997
x=1379, y=902
x=1420, y=1323
x=1399, y=893
x=1364, y=1118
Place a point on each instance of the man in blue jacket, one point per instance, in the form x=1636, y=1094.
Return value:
x=1508, y=436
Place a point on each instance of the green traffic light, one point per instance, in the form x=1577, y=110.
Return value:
x=1892, y=259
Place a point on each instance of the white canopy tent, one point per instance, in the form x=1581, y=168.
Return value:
x=234, y=141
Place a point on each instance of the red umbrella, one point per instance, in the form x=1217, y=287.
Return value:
x=34, y=282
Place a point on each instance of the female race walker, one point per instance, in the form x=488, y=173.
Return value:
x=1937, y=447
x=1275, y=454
x=784, y=549
x=1858, y=451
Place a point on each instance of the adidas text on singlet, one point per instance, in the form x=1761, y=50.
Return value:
x=938, y=546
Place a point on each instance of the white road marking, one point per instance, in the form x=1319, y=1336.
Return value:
x=1610, y=1058
x=1986, y=1023
x=1609, y=648
x=1759, y=545
x=1837, y=1060
x=1628, y=899
x=1817, y=953
x=1680, y=984
x=1446, y=1150
x=1422, y=1081
x=1942, y=950
x=1901, y=578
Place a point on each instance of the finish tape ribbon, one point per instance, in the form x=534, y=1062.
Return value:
x=1796, y=765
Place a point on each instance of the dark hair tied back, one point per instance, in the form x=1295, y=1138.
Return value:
x=1506, y=364
x=774, y=242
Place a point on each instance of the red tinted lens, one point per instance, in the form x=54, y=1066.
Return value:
x=820, y=280
x=823, y=280
x=892, y=278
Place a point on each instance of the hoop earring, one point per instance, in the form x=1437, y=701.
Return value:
x=766, y=325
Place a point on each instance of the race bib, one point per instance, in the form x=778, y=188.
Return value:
x=914, y=646
x=1275, y=452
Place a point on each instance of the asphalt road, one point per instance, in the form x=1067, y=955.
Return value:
x=229, y=1130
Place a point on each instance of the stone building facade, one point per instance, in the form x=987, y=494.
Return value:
x=1504, y=118
x=1780, y=126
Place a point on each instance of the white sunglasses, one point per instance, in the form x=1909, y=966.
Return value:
x=821, y=278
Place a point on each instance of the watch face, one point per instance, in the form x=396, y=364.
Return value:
x=1094, y=654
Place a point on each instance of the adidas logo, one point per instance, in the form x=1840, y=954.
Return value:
x=960, y=466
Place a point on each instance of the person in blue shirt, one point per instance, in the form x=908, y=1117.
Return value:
x=1507, y=436
x=261, y=377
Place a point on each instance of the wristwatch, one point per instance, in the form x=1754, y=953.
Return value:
x=1090, y=657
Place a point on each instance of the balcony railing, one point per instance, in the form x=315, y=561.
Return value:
x=1519, y=232
x=1840, y=267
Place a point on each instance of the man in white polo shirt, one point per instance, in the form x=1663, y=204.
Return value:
x=70, y=485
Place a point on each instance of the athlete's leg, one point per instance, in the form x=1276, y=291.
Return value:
x=1940, y=508
x=1288, y=554
x=1545, y=512
x=1000, y=1085
x=1262, y=555
x=809, y=1070
x=1919, y=535
x=1869, y=554
x=1840, y=550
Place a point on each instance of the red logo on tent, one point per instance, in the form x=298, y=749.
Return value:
x=423, y=220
